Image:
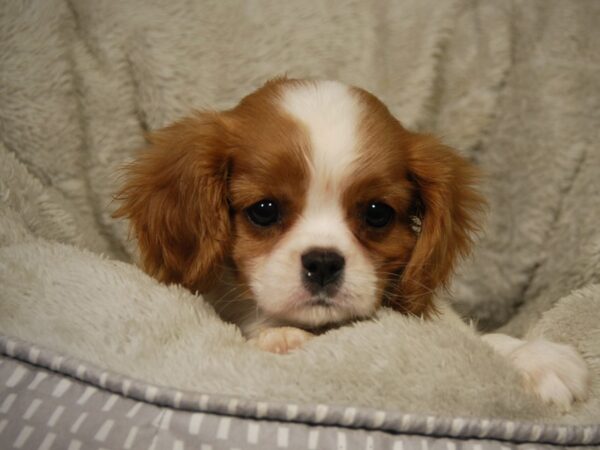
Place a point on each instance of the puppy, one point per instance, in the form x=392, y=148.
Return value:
x=308, y=206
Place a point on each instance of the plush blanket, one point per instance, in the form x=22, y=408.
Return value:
x=512, y=84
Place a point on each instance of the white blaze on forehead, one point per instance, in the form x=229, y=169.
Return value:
x=330, y=112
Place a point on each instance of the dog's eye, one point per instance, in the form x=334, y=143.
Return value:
x=263, y=213
x=378, y=214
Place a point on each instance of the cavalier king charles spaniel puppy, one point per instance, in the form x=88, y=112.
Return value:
x=308, y=206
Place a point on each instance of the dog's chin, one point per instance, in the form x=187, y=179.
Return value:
x=318, y=311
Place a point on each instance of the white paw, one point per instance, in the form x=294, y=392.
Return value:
x=555, y=372
x=281, y=339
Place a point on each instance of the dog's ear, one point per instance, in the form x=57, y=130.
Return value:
x=175, y=197
x=447, y=206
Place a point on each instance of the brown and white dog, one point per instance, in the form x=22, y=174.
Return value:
x=307, y=206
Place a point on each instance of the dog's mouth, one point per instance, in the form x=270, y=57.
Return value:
x=325, y=302
x=318, y=310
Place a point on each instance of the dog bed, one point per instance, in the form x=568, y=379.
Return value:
x=60, y=401
x=96, y=354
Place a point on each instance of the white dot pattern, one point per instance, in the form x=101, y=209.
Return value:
x=110, y=402
x=74, y=445
x=349, y=415
x=104, y=430
x=261, y=409
x=253, y=433
x=47, y=442
x=232, y=406
x=378, y=419
x=195, y=423
x=23, y=436
x=129, y=441
x=89, y=391
x=342, y=443
x=321, y=412
x=291, y=412
x=7, y=403
x=16, y=377
x=34, y=354
x=39, y=377
x=165, y=423
x=223, y=429
x=283, y=436
x=313, y=439
x=134, y=410
x=33, y=407
x=78, y=422
x=55, y=416
x=44, y=410
x=62, y=387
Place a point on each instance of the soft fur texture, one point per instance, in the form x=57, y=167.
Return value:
x=513, y=84
x=317, y=156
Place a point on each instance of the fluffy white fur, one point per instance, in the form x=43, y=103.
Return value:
x=331, y=115
x=555, y=372
x=75, y=101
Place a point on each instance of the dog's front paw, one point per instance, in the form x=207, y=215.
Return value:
x=281, y=339
x=555, y=372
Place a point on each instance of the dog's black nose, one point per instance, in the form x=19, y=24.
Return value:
x=321, y=267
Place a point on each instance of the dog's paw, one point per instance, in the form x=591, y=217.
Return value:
x=281, y=339
x=555, y=372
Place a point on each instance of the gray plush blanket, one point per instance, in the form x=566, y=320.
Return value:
x=513, y=84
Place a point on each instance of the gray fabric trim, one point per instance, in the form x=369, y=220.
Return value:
x=314, y=415
x=41, y=409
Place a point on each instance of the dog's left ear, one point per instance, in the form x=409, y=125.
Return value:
x=447, y=205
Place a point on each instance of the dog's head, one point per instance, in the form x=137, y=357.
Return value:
x=323, y=205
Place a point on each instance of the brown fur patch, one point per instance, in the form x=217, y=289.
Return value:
x=414, y=174
x=271, y=153
x=175, y=197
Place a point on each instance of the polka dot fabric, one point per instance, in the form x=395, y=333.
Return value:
x=50, y=401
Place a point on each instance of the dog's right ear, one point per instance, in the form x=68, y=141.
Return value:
x=175, y=196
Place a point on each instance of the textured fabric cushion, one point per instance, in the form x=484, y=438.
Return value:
x=512, y=84
x=49, y=400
